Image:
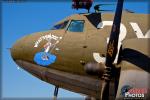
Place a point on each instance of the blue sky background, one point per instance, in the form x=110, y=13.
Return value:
x=19, y=19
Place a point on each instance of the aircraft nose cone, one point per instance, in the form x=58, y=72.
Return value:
x=23, y=49
x=23, y=52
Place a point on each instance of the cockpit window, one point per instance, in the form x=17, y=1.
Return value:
x=76, y=26
x=60, y=26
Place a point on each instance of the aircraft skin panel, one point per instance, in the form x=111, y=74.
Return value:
x=141, y=45
x=76, y=83
x=135, y=78
x=94, y=41
x=72, y=48
x=135, y=73
x=64, y=80
x=142, y=20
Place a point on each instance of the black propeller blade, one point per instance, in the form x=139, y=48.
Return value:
x=114, y=36
x=112, y=48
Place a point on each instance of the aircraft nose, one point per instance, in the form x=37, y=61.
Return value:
x=32, y=48
x=22, y=53
x=22, y=49
x=17, y=49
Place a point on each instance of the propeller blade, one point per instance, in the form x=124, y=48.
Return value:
x=112, y=50
x=114, y=36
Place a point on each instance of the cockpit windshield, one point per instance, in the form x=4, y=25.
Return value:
x=76, y=26
x=60, y=26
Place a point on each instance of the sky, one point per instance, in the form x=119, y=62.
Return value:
x=23, y=18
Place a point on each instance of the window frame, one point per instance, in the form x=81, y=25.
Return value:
x=61, y=23
x=76, y=20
